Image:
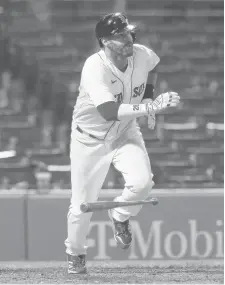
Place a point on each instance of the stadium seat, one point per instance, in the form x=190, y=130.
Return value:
x=171, y=163
x=16, y=171
x=54, y=157
x=27, y=136
x=19, y=5
x=211, y=147
x=161, y=147
x=186, y=126
x=190, y=175
x=215, y=127
x=207, y=159
x=188, y=139
x=216, y=131
x=14, y=121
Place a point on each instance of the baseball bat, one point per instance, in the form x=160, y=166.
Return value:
x=106, y=205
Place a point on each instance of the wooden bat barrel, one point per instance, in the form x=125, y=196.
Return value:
x=106, y=205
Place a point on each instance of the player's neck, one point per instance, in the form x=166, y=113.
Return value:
x=119, y=61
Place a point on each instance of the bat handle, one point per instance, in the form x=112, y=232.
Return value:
x=154, y=201
x=84, y=207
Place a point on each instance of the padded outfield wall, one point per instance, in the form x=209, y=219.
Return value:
x=186, y=225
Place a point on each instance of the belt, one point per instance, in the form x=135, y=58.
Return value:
x=82, y=132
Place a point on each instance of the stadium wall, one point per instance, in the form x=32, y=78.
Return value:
x=186, y=225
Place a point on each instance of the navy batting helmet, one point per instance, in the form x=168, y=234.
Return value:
x=112, y=24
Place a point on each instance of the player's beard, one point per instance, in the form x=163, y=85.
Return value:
x=124, y=50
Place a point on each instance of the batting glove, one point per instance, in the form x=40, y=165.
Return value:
x=151, y=121
x=163, y=101
x=151, y=117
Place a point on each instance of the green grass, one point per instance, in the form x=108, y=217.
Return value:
x=106, y=273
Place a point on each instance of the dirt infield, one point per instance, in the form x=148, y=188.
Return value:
x=106, y=273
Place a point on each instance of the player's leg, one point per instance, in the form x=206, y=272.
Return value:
x=132, y=161
x=89, y=166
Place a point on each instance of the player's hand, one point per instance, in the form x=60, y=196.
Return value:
x=163, y=101
x=150, y=122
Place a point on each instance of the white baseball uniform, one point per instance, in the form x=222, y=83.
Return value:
x=97, y=143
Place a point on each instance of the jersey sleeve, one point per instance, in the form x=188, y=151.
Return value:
x=149, y=56
x=95, y=82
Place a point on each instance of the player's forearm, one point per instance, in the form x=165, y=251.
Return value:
x=112, y=111
x=130, y=111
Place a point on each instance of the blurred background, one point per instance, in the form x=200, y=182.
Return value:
x=43, y=45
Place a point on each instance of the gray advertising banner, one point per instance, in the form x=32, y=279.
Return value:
x=185, y=225
x=13, y=230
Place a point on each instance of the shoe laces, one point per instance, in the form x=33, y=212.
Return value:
x=78, y=260
x=123, y=227
x=81, y=259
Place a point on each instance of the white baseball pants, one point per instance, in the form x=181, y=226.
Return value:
x=90, y=162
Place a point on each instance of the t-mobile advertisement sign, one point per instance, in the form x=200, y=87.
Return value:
x=179, y=228
x=185, y=225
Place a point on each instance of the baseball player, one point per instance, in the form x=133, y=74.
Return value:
x=116, y=88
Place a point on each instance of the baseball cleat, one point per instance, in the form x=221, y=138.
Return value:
x=76, y=264
x=122, y=233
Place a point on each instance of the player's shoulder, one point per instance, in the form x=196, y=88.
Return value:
x=146, y=55
x=94, y=61
x=142, y=50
